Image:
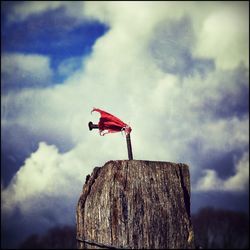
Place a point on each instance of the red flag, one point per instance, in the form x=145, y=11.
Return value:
x=111, y=124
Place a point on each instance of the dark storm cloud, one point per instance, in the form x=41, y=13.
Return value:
x=232, y=101
x=222, y=162
x=230, y=201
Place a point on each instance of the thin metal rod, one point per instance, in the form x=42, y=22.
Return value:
x=129, y=146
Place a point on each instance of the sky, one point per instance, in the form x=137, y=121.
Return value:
x=176, y=72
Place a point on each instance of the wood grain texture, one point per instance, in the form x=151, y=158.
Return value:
x=136, y=204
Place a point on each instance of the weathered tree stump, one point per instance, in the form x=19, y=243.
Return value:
x=136, y=204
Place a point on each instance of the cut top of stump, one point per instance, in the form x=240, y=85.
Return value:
x=136, y=204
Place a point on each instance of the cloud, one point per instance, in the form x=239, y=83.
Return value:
x=171, y=48
x=22, y=11
x=25, y=70
x=48, y=175
x=44, y=173
x=238, y=182
x=232, y=101
x=224, y=36
x=68, y=66
x=136, y=78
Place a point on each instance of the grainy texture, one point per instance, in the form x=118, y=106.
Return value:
x=136, y=204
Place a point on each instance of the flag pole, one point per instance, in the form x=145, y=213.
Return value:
x=129, y=146
x=130, y=154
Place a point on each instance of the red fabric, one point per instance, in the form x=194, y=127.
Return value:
x=110, y=123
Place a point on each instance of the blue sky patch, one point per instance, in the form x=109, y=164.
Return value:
x=52, y=34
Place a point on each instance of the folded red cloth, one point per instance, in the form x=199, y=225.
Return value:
x=110, y=124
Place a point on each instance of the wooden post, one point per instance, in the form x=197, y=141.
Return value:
x=135, y=204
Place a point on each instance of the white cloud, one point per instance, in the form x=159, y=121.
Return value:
x=238, y=182
x=21, y=70
x=22, y=11
x=224, y=35
x=46, y=173
x=68, y=66
x=209, y=182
